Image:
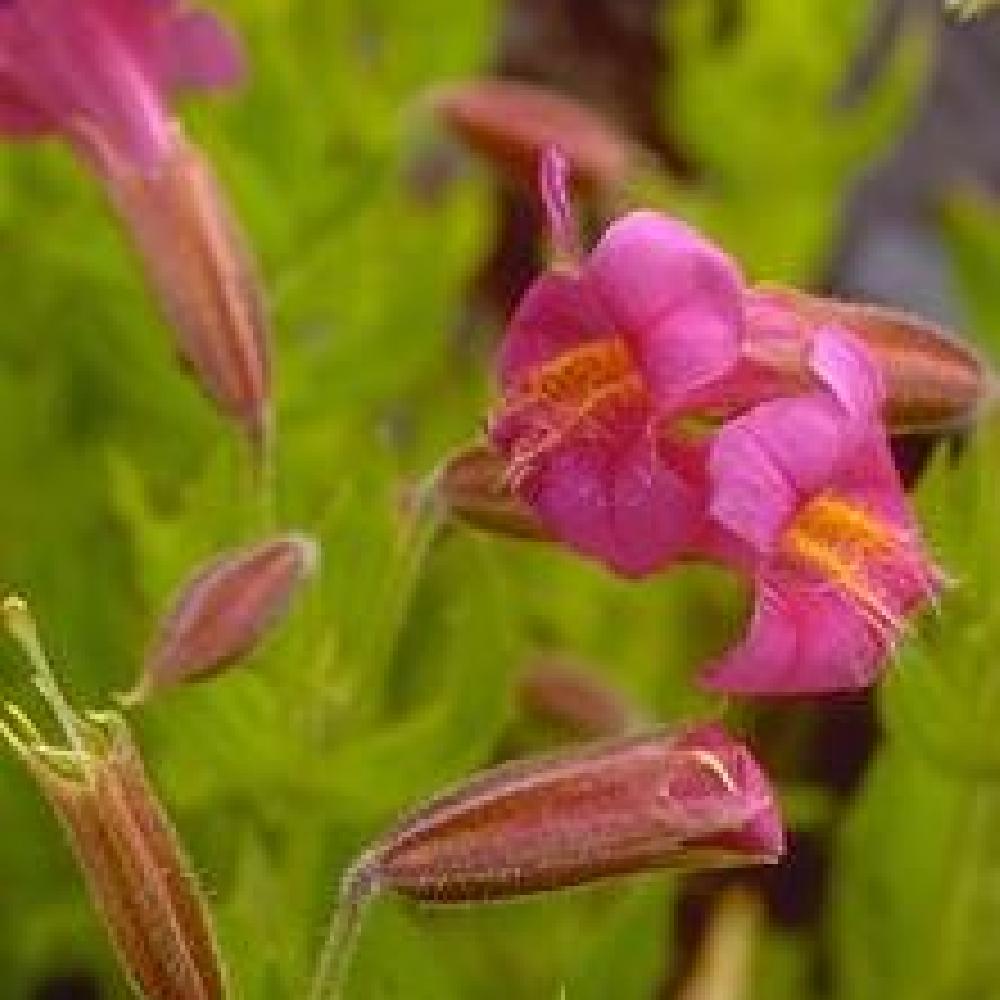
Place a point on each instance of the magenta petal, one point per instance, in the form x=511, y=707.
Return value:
x=688, y=348
x=558, y=313
x=200, y=52
x=871, y=479
x=845, y=366
x=763, y=463
x=804, y=638
x=89, y=64
x=678, y=298
x=618, y=503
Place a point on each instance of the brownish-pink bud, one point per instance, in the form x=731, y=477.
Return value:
x=511, y=124
x=473, y=487
x=933, y=381
x=133, y=864
x=692, y=797
x=201, y=270
x=224, y=609
x=558, y=690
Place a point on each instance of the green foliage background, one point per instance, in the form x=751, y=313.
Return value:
x=395, y=675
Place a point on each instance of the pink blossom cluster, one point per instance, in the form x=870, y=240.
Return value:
x=640, y=425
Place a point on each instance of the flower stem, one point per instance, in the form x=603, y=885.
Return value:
x=331, y=970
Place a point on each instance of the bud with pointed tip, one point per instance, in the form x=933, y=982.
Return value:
x=511, y=124
x=932, y=380
x=474, y=488
x=224, y=610
x=135, y=869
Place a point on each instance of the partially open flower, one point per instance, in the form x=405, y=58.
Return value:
x=135, y=869
x=224, y=610
x=100, y=73
x=812, y=510
x=601, y=363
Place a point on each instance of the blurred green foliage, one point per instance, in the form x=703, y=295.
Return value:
x=394, y=676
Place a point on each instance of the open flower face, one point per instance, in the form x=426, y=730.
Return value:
x=812, y=509
x=600, y=361
x=98, y=70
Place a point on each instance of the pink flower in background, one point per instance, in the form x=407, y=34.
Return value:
x=812, y=509
x=99, y=71
x=600, y=359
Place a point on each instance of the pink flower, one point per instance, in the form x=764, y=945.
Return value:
x=99, y=71
x=599, y=362
x=812, y=510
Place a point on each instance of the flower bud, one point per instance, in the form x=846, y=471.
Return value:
x=135, y=869
x=199, y=266
x=511, y=124
x=556, y=690
x=642, y=803
x=473, y=487
x=932, y=380
x=223, y=611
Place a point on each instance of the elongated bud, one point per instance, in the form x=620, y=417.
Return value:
x=512, y=124
x=201, y=270
x=723, y=968
x=473, y=487
x=933, y=381
x=557, y=690
x=134, y=867
x=224, y=610
x=692, y=798
x=642, y=803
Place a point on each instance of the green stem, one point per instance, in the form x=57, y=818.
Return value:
x=335, y=958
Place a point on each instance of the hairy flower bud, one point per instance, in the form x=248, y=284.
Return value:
x=642, y=803
x=224, y=609
x=511, y=124
x=201, y=269
x=688, y=798
x=473, y=487
x=135, y=869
